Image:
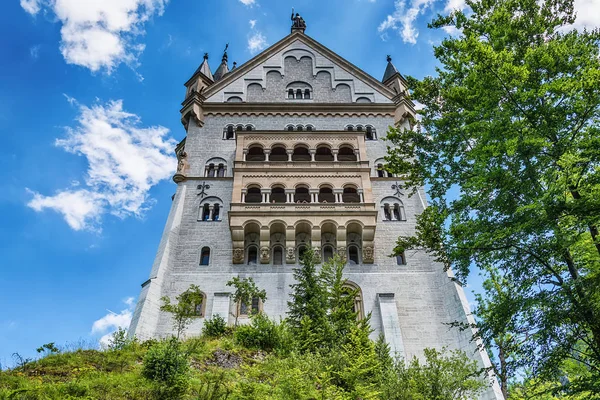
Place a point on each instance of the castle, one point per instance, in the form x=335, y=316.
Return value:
x=283, y=153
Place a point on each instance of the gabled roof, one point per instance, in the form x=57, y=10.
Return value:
x=289, y=39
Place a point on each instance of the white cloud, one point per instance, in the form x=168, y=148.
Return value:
x=452, y=5
x=248, y=3
x=31, y=6
x=124, y=162
x=112, y=321
x=252, y=23
x=34, y=51
x=99, y=34
x=588, y=14
x=403, y=18
x=256, y=43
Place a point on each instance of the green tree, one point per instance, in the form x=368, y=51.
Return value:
x=186, y=308
x=510, y=122
x=308, y=307
x=245, y=291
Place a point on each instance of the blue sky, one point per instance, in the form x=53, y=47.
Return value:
x=89, y=99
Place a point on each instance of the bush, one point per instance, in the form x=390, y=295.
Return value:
x=263, y=333
x=167, y=365
x=214, y=327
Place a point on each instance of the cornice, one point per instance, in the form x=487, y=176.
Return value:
x=300, y=110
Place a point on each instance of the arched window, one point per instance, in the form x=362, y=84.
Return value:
x=350, y=195
x=301, y=250
x=278, y=255
x=252, y=255
x=299, y=94
x=221, y=171
x=278, y=153
x=249, y=128
x=216, y=211
x=299, y=128
x=210, y=171
x=359, y=128
x=387, y=214
x=301, y=195
x=323, y=154
x=326, y=195
x=346, y=153
x=401, y=259
x=290, y=128
x=309, y=128
x=205, y=212
x=370, y=135
x=278, y=195
x=396, y=212
x=353, y=255
x=239, y=128
x=253, y=195
x=255, y=153
x=229, y=134
x=380, y=171
x=291, y=94
x=350, y=128
x=306, y=94
x=327, y=253
x=301, y=154
x=205, y=256
x=352, y=289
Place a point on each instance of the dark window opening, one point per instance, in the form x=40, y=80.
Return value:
x=278, y=154
x=326, y=195
x=253, y=195
x=299, y=128
x=350, y=195
x=387, y=215
x=278, y=256
x=301, y=252
x=359, y=128
x=323, y=154
x=302, y=195
x=278, y=195
x=205, y=212
x=350, y=128
x=255, y=154
x=353, y=254
x=397, y=212
x=306, y=94
x=252, y=255
x=229, y=134
x=249, y=128
x=291, y=94
x=370, y=134
x=290, y=128
x=299, y=94
x=216, y=210
x=327, y=253
x=221, y=171
x=401, y=259
x=211, y=171
x=309, y=128
x=301, y=154
x=204, y=256
x=346, y=154
x=380, y=171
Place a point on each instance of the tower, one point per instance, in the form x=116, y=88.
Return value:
x=285, y=153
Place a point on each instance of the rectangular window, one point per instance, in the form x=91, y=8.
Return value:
x=401, y=259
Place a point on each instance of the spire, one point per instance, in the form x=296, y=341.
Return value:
x=390, y=70
x=205, y=68
x=223, y=68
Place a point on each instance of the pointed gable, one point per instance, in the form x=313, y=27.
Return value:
x=298, y=68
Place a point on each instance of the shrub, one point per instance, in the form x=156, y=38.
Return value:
x=214, y=327
x=263, y=333
x=167, y=365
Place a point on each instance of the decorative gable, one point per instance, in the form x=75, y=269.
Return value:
x=300, y=71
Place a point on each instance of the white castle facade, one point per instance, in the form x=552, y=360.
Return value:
x=283, y=153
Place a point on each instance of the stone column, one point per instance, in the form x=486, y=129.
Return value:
x=266, y=195
x=265, y=248
x=290, y=242
x=357, y=154
x=341, y=243
x=289, y=195
x=244, y=191
x=361, y=193
x=338, y=195
x=267, y=153
x=245, y=152
x=314, y=195
x=289, y=154
x=312, y=154
x=315, y=238
x=335, y=154
x=210, y=214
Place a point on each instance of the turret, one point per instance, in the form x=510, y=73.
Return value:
x=395, y=81
x=195, y=86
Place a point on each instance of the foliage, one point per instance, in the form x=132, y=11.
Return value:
x=245, y=291
x=443, y=376
x=186, y=308
x=511, y=122
x=214, y=327
x=307, y=309
x=264, y=333
x=48, y=348
x=167, y=366
x=119, y=340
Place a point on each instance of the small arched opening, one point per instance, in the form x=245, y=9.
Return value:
x=255, y=153
x=350, y=195
x=323, y=154
x=278, y=154
x=301, y=153
x=253, y=195
x=301, y=195
x=346, y=153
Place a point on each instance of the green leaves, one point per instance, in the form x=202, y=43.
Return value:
x=510, y=123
